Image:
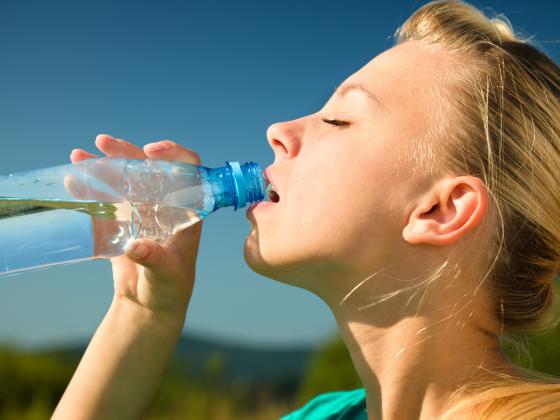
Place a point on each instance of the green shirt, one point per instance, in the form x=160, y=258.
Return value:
x=340, y=405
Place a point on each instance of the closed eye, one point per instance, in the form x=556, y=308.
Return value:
x=337, y=123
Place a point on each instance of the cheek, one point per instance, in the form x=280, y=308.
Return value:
x=338, y=215
x=338, y=207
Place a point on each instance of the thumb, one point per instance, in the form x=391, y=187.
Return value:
x=149, y=254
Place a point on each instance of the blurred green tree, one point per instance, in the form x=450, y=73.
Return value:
x=31, y=385
x=330, y=369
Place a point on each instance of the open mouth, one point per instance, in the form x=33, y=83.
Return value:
x=272, y=195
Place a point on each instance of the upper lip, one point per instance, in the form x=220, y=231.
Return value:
x=268, y=179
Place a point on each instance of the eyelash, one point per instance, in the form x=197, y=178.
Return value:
x=336, y=123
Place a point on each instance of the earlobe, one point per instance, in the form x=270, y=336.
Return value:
x=452, y=208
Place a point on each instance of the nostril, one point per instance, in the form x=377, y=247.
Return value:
x=278, y=143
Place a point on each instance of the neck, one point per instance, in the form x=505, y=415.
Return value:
x=411, y=355
x=409, y=374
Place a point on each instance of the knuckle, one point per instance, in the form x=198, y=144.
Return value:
x=187, y=153
x=168, y=143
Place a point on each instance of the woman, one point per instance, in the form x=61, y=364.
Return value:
x=432, y=236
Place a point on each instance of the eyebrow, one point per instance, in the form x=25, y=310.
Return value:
x=344, y=89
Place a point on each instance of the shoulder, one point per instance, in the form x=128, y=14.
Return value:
x=347, y=405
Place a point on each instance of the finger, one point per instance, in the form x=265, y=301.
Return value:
x=82, y=191
x=169, y=150
x=113, y=147
x=77, y=155
x=125, y=275
x=78, y=188
x=153, y=256
x=187, y=241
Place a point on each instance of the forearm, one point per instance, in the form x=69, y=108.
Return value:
x=122, y=366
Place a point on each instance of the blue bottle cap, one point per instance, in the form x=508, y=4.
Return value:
x=239, y=184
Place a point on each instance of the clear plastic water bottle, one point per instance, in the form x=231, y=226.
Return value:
x=94, y=208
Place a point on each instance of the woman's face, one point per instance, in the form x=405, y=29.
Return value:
x=343, y=178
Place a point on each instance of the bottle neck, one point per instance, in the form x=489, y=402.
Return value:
x=237, y=185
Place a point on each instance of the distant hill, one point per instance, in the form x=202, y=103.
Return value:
x=196, y=356
x=243, y=362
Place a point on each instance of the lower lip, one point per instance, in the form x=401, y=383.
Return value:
x=261, y=205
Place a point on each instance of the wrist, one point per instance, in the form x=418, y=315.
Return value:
x=168, y=324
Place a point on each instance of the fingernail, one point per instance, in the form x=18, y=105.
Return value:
x=82, y=152
x=107, y=136
x=137, y=250
x=155, y=147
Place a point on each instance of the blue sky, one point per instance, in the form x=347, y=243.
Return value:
x=212, y=75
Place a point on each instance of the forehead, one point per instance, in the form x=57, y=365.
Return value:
x=407, y=74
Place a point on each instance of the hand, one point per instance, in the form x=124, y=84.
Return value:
x=154, y=278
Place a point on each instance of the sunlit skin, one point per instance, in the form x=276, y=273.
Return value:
x=350, y=210
x=350, y=207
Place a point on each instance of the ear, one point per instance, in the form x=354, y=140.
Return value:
x=453, y=207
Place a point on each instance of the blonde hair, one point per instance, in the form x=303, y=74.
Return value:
x=504, y=127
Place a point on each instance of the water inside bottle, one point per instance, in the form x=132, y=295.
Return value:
x=39, y=233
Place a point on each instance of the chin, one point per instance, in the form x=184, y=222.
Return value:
x=255, y=259
x=266, y=263
x=286, y=268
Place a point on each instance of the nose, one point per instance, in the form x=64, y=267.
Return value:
x=285, y=138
